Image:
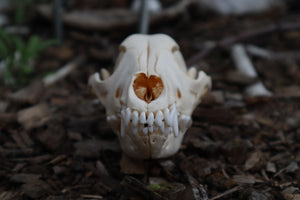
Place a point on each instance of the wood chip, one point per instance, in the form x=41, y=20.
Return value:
x=244, y=179
x=271, y=167
x=24, y=178
x=253, y=160
x=35, y=116
x=29, y=94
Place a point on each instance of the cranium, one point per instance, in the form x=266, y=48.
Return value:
x=150, y=96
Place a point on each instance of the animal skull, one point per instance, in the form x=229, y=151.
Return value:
x=150, y=96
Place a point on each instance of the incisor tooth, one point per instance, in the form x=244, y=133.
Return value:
x=145, y=130
x=135, y=118
x=134, y=130
x=150, y=119
x=158, y=118
x=162, y=127
x=150, y=128
x=143, y=118
x=168, y=130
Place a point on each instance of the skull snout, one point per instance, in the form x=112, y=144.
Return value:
x=147, y=88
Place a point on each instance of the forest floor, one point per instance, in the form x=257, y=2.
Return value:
x=55, y=142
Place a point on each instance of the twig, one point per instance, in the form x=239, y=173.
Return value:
x=232, y=190
x=229, y=41
x=283, y=26
x=90, y=196
x=64, y=71
x=198, y=189
x=265, y=53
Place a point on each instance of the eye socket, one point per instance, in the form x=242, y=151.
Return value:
x=147, y=88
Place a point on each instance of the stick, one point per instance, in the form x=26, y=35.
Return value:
x=232, y=190
x=62, y=72
x=229, y=41
x=198, y=189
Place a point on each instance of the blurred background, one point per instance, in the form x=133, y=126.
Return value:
x=56, y=144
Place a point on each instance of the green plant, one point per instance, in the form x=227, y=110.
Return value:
x=18, y=57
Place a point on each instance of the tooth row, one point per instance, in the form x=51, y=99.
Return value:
x=166, y=121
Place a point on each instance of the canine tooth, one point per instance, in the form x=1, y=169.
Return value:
x=135, y=130
x=150, y=128
x=150, y=119
x=143, y=118
x=175, y=126
x=123, y=114
x=122, y=128
x=174, y=115
x=135, y=118
x=168, y=118
x=145, y=130
x=127, y=115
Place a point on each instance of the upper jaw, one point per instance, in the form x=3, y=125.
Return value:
x=144, y=123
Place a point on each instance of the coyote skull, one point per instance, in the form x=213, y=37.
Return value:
x=150, y=96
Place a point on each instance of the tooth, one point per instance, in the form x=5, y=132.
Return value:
x=173, y=107
x=175, y=126
x=185, y=121
x=143, y=118
x=145, y=130
x=155, y=129
x=162, y=127
x=123, y=114
x=150, y=119
x=150, y=128
x=140, y=127
x=174, y=115
x=168, y=118
x=122, y=128
x=158, y=118
x=134, y=130
x=127, y=115
x=135, y=118
x=113, y=117
x=168, y=130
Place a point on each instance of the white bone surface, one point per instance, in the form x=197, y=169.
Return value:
x=150, y=97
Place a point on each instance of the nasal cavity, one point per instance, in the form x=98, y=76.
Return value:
x=147, y=88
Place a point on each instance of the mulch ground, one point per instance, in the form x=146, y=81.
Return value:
x=56, y=144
